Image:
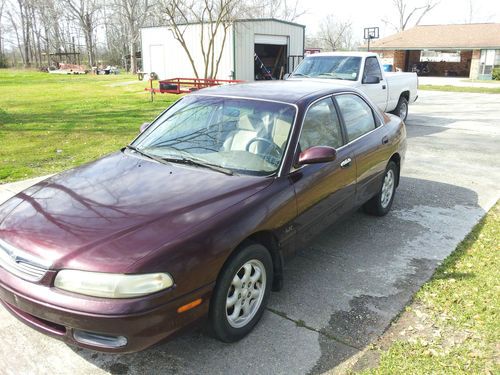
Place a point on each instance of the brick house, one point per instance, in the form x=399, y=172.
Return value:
x=464, y=50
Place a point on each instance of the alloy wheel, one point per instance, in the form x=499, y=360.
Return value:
x=245, y=293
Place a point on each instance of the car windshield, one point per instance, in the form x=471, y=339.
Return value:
x=242, y=135
x=333, y=67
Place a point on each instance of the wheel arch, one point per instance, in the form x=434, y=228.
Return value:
x=396, y=158
x=269, y=240
x=406, y=95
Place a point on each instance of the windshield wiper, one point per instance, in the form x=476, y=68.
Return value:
x=199, y=163
x=299, y=75
x=152, y=157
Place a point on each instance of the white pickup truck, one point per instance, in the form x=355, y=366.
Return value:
x=392, y=92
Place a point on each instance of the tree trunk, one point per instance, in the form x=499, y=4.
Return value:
x=133, y=59
x=90, y=46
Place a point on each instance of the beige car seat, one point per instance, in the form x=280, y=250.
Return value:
x=247, y=129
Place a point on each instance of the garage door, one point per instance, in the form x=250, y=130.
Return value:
x=281, y=40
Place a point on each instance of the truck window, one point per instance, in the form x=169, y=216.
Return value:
x=329, y=67
x=372, y=68
x=357, y=115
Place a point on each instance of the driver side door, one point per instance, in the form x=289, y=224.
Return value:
x=323, y=191
x=377, y=92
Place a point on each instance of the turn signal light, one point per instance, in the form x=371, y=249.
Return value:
x=189, y=305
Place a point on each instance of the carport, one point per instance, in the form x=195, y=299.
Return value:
x=462, y=50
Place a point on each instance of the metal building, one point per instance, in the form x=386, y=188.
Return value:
x=251, y=50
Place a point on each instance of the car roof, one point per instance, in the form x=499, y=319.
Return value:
x=343, y=53
x=291, y=91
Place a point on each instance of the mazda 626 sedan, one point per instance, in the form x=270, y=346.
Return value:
x=196, y=215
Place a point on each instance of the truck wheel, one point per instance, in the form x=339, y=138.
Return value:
x=401, y=109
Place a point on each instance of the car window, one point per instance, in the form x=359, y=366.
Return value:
x=321, y=126
x=357, y=114
x=372, y=68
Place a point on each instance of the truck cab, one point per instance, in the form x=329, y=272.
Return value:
x=391, y=92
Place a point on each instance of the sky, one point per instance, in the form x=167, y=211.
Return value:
x=368, y=13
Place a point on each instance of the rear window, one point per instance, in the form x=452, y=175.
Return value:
x=358, y=115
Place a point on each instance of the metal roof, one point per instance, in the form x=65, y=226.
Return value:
x=235, y=21
x=459, y=36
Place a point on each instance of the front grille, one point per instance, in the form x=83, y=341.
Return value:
x=22, y=264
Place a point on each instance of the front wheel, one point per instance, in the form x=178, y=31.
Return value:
x=381, y=203
x=401, y=109
x=241, y=293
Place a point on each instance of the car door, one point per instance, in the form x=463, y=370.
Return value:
x=366, y=134
x=376, y=91
x=326, y=190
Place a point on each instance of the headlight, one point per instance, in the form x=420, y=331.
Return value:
x=112, y=285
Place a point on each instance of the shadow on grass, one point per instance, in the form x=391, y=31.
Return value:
x=454, y=275
x=74, y=120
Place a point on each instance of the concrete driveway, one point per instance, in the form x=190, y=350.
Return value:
x=343, y=290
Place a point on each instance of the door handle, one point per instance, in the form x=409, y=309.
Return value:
x=385, y=140
x=383, y=87
x=346, y=163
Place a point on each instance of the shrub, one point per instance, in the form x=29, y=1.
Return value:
x=496, y=74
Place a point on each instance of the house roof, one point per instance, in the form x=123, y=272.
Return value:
x=461, y=36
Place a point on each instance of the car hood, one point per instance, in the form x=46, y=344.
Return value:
x=110, y=213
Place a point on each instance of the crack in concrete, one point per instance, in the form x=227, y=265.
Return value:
x=302, y=324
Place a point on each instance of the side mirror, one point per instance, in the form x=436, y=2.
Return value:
x=144, y=126
x=371, y=80
x=317, y=154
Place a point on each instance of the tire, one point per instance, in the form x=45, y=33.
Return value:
x=381, y=203
x=401, y=109
x=228, y=325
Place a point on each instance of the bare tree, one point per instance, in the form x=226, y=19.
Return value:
x=2, y=56
x=408, y=15
x=133, y=13
x=86, y=13
x=213, y=17
x=286, y=10
x=334, y=34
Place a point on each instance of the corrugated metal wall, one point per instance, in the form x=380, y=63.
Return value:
x=245, y=32
x=163, y=54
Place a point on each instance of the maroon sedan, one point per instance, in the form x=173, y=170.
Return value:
x=196, y=216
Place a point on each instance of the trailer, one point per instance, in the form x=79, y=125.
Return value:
x=185, y=85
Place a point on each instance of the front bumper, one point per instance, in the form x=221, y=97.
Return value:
x=140, y=329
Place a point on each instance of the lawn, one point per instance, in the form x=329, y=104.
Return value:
x=49, y=123
x=453, y=326
x=478, y=90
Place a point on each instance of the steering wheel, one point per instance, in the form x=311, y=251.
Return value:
x=272, y=148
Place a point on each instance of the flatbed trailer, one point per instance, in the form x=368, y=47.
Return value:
x=185, y=85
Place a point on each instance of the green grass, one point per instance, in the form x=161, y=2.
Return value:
x=479, y=90
x=49, y=123
x=492, y=81
x=462, y=304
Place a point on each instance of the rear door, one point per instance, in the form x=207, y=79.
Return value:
x=377, y=92
x=370, y=142
x=323, y=191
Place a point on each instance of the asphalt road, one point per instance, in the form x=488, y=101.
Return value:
x=343, y=290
